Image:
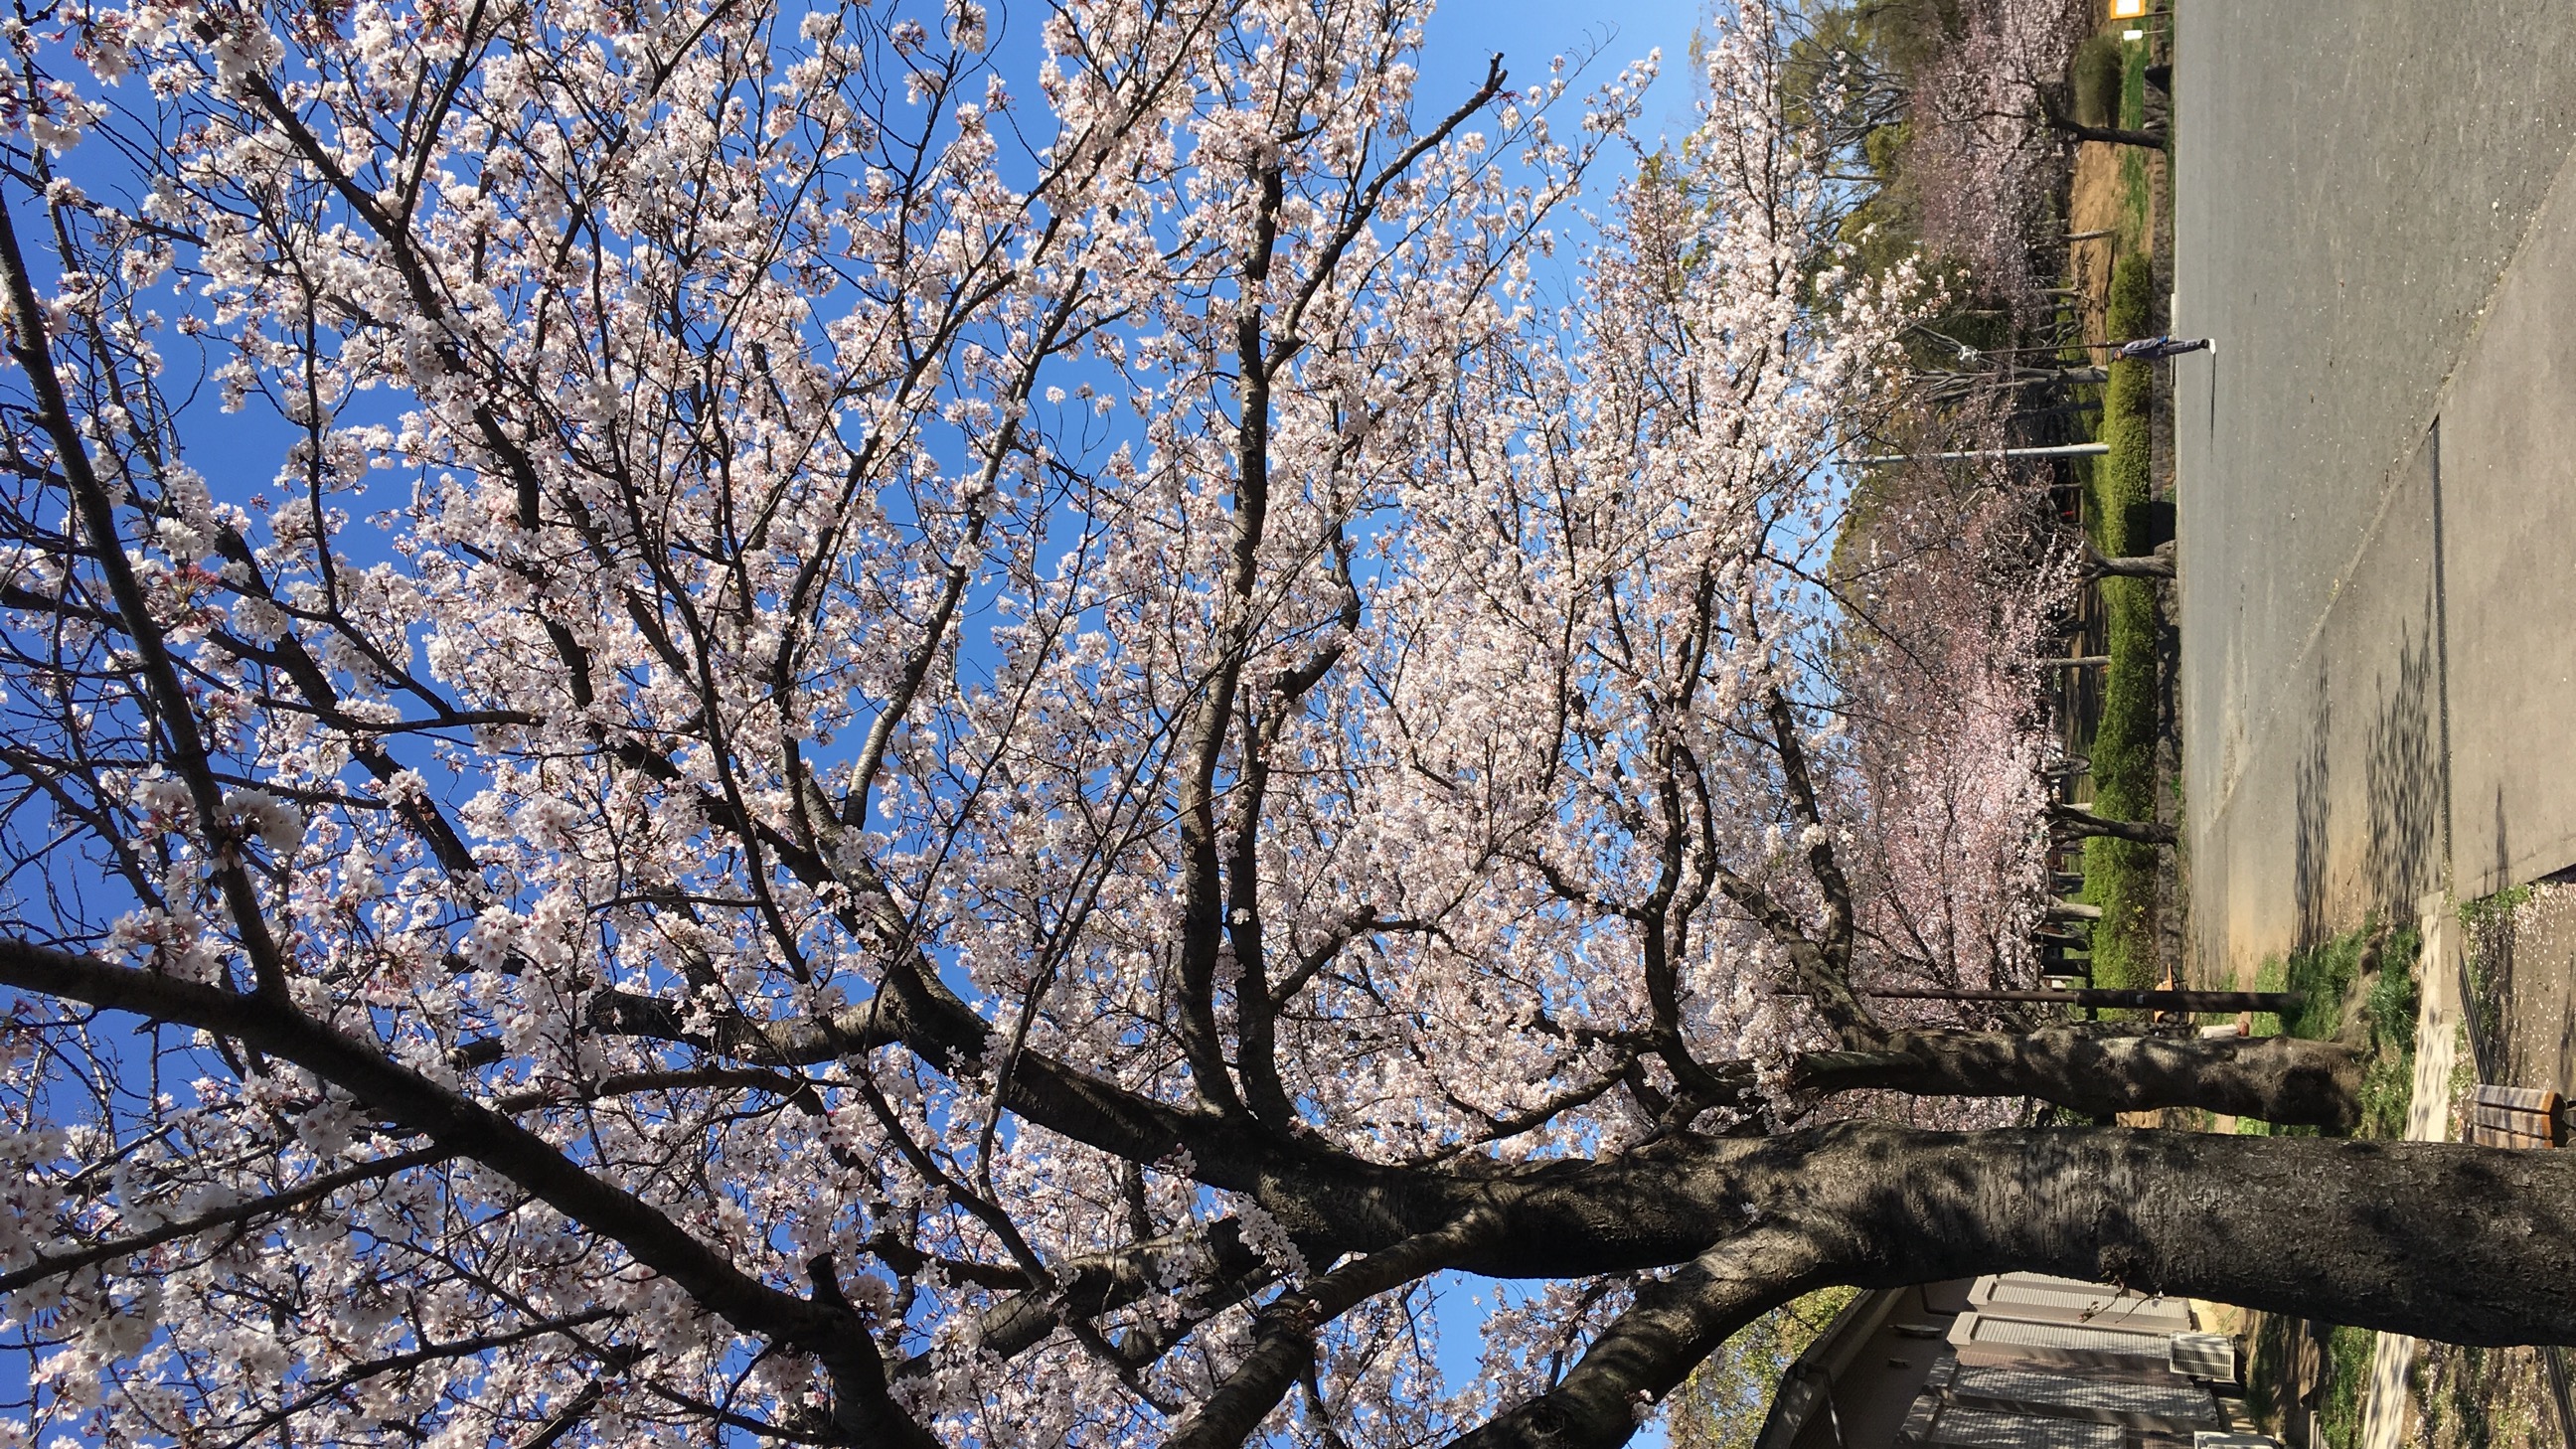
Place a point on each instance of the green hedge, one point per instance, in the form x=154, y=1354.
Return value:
x=2120, y=875
x=2100, y=68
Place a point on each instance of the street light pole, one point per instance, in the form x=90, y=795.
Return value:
x=2063, y=450
x=2281, y=1003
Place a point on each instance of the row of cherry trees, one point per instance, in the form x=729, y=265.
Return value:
x=1955, y=131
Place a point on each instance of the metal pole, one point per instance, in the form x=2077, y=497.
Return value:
x=2064, y=450
x=2282, y=1003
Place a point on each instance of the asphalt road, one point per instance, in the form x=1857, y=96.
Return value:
x=2378, y=614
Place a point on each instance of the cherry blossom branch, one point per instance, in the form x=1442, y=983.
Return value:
x=1203, y=890
x=1358, y=923
x=1499, y=1129
x=463, y=1128
x=239, y=1213
x=1284, y=1332
x=1101, y=1283
x=1828, y=871
x=1815, y=966
x=428, y=1352
x=171, y=708
x=1256, y=1019
x=1362, y=207
x=1209, y=900
x=562, y=1422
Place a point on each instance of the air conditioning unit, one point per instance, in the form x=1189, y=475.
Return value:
x=2203, y=1356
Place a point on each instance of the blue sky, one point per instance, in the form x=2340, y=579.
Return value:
x=1527, y=32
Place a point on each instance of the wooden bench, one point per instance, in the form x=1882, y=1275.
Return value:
x=2515, y=1117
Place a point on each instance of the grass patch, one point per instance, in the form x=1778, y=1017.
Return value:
x=2133, y=83
x=2486, y=912
x=2489, y=928
x=2348, y=1354
x=2272, y=1350
x=2135, y=190
x=2346, y=1377
x=2326, y=975
x=2357, y=994
x=2120, y=877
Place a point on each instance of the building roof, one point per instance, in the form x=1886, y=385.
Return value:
x=2002, y=1362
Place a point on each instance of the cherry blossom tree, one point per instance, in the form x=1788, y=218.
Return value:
x=724, y=726
x=1951, y=587
x=1985, y=157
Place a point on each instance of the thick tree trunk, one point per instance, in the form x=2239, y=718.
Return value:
x=1674, y=1324
x=2098, y=1072
x=2108, y=135
x=2462, y=1244
x=2157, y=565
x=2076, y=822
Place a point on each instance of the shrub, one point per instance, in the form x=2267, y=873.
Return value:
x=2097, y=73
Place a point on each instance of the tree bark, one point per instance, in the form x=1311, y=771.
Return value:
x=2108, y=135
x=2099, y=1071
x=1674, y=1324
x=2468, y=1245
x=2157, y=565
x=2139, y=565
x=2076, y=822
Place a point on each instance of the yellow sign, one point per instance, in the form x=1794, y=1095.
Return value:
x=2128, y=9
